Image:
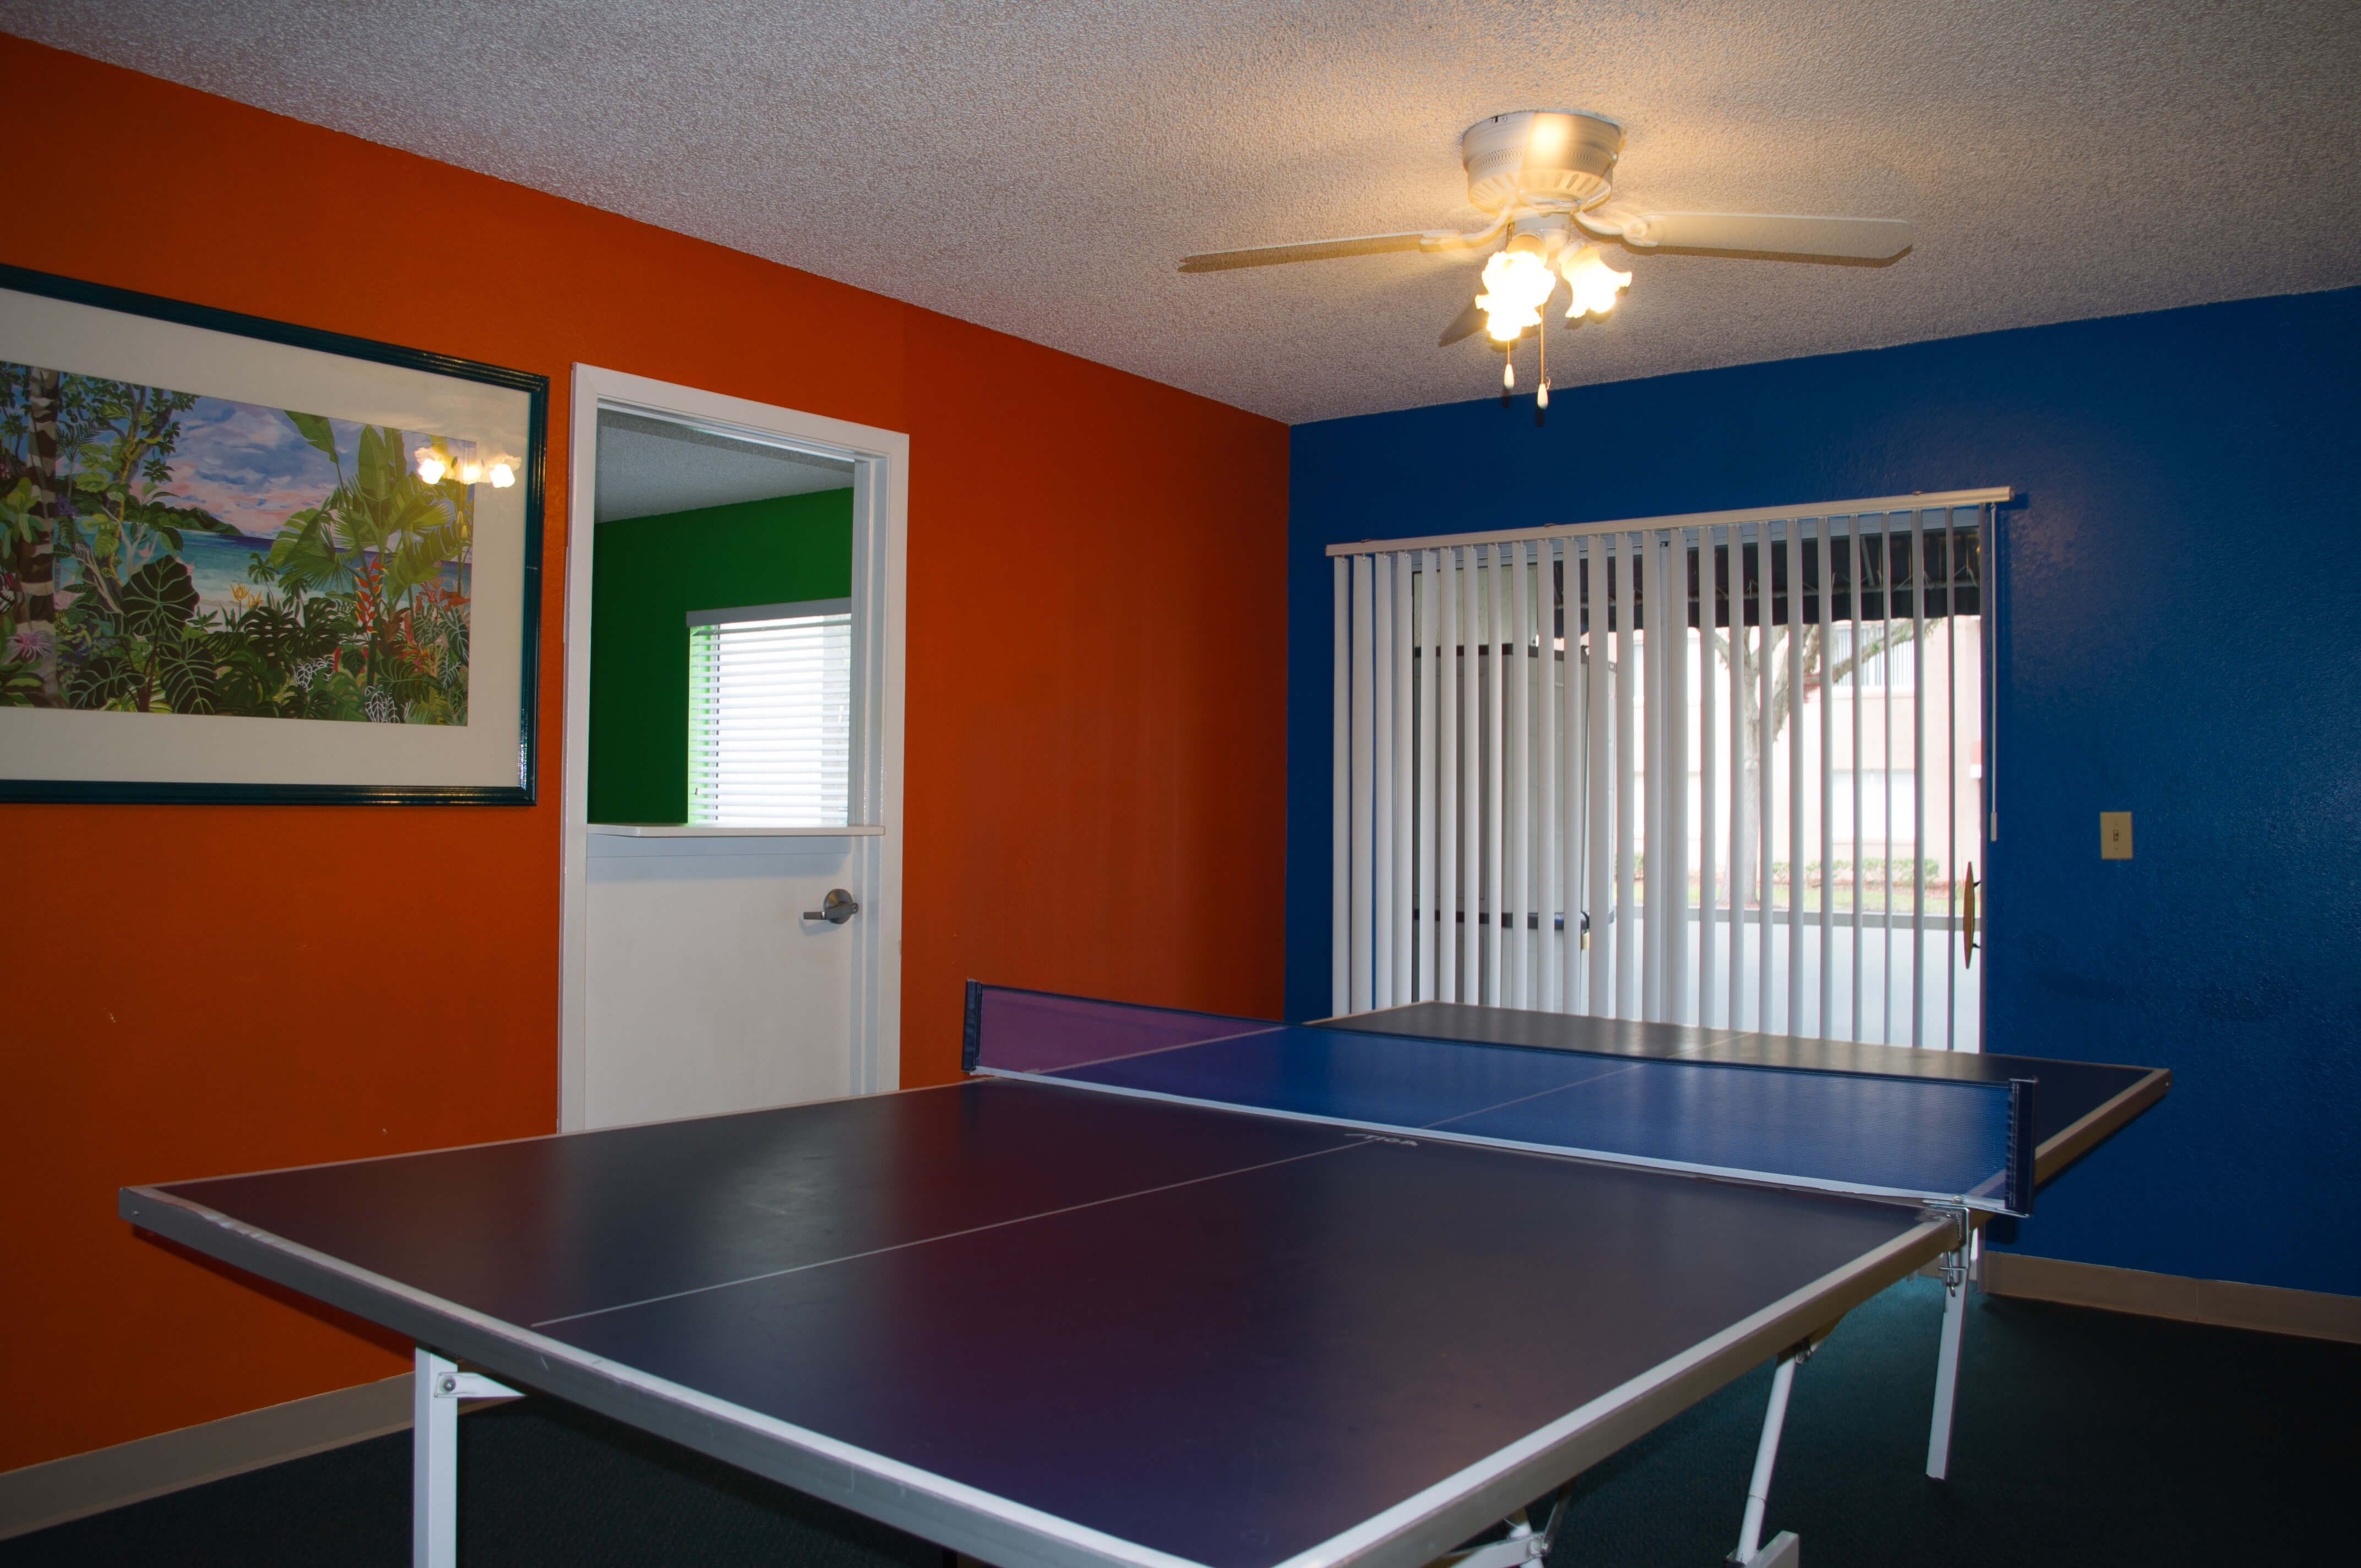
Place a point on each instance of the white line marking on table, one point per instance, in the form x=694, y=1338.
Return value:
x=1537, y=1095
x=949, y=1235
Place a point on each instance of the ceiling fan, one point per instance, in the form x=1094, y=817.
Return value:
x=1545, y=175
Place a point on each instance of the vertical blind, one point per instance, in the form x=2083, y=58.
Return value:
x=1706, y=772
x=770, y=715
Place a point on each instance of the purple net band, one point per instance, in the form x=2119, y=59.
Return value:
x=1025, y=1030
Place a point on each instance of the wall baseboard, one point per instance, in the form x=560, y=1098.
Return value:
x=2225, y=1303
x=80, y=1485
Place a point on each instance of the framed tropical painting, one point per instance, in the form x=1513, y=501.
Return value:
x=243, y=561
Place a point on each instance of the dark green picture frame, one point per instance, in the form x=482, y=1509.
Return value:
x=531, y=473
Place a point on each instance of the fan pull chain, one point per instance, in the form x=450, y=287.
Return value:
x=1541, y=398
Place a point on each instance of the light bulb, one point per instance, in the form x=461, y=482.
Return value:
x=1541, y=398
x=1509, y=377
x=502, y=476
x=471, y=472
x=1595, y=285
x=431, y=467
x=1517, y=283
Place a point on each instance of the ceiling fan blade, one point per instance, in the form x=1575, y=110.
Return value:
x=1867, y=239
x=1310, y=250
x=1467, y=323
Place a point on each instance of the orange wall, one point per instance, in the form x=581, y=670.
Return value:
x=1096, y=654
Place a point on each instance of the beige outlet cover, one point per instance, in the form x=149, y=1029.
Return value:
x=2115, y=835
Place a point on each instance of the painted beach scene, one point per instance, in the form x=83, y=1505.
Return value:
x=166, y=551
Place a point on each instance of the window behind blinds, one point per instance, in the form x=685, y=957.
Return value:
x=1724, y=774
x=770, y=715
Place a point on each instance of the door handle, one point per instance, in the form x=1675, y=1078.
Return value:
x=1968, y=923
x=835, y=909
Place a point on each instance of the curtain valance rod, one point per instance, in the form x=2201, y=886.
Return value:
x=1919, y=502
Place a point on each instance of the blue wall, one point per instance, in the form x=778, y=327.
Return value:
x=2179, y=635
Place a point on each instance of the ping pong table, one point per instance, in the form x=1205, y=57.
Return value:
x=1161, y=1288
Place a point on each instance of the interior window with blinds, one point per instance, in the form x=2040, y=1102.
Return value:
x=1727, y=775
x=770, y=715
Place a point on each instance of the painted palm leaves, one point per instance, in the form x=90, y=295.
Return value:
x=381, y=516
x=377, y=548
x=359, y=616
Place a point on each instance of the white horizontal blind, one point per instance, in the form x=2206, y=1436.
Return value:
x=770, y=719
x=1726, y=774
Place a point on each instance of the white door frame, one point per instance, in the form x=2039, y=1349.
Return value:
x=881, y=460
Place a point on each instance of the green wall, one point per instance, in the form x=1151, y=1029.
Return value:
x=647, y=574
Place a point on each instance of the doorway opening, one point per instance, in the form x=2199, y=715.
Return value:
x=700, y=534
x=733, y=755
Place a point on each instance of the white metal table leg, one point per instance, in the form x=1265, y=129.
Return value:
x=433, y=1465
x=1782, y=1550
x=436, y=1387
x=1947, y=1362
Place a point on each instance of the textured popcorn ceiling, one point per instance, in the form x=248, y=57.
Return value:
x=650, y=466
x=1040, y=167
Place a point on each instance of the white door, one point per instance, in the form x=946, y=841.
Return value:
x=712, y=987
x=701, y=972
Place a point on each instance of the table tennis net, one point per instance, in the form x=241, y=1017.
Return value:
x=1933, y=1139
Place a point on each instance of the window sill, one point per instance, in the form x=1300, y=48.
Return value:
x=700, y=830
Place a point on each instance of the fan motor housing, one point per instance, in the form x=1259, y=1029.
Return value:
x=1561, y=153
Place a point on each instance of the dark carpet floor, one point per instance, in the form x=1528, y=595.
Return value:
x=2083, y=1437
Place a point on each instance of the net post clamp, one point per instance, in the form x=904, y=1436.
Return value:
x=1953, y=1269
x=2023, y=1139
x=1956, y=1213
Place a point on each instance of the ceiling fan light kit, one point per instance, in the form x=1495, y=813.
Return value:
x=1542, y=176
x=1594, y=285
x=1517, y=283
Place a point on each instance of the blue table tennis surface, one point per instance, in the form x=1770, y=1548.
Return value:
x=1863, y=1130
x=1221, y=1337
x=2072, y=1093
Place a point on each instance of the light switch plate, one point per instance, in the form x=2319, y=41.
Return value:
x=2115, y=835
